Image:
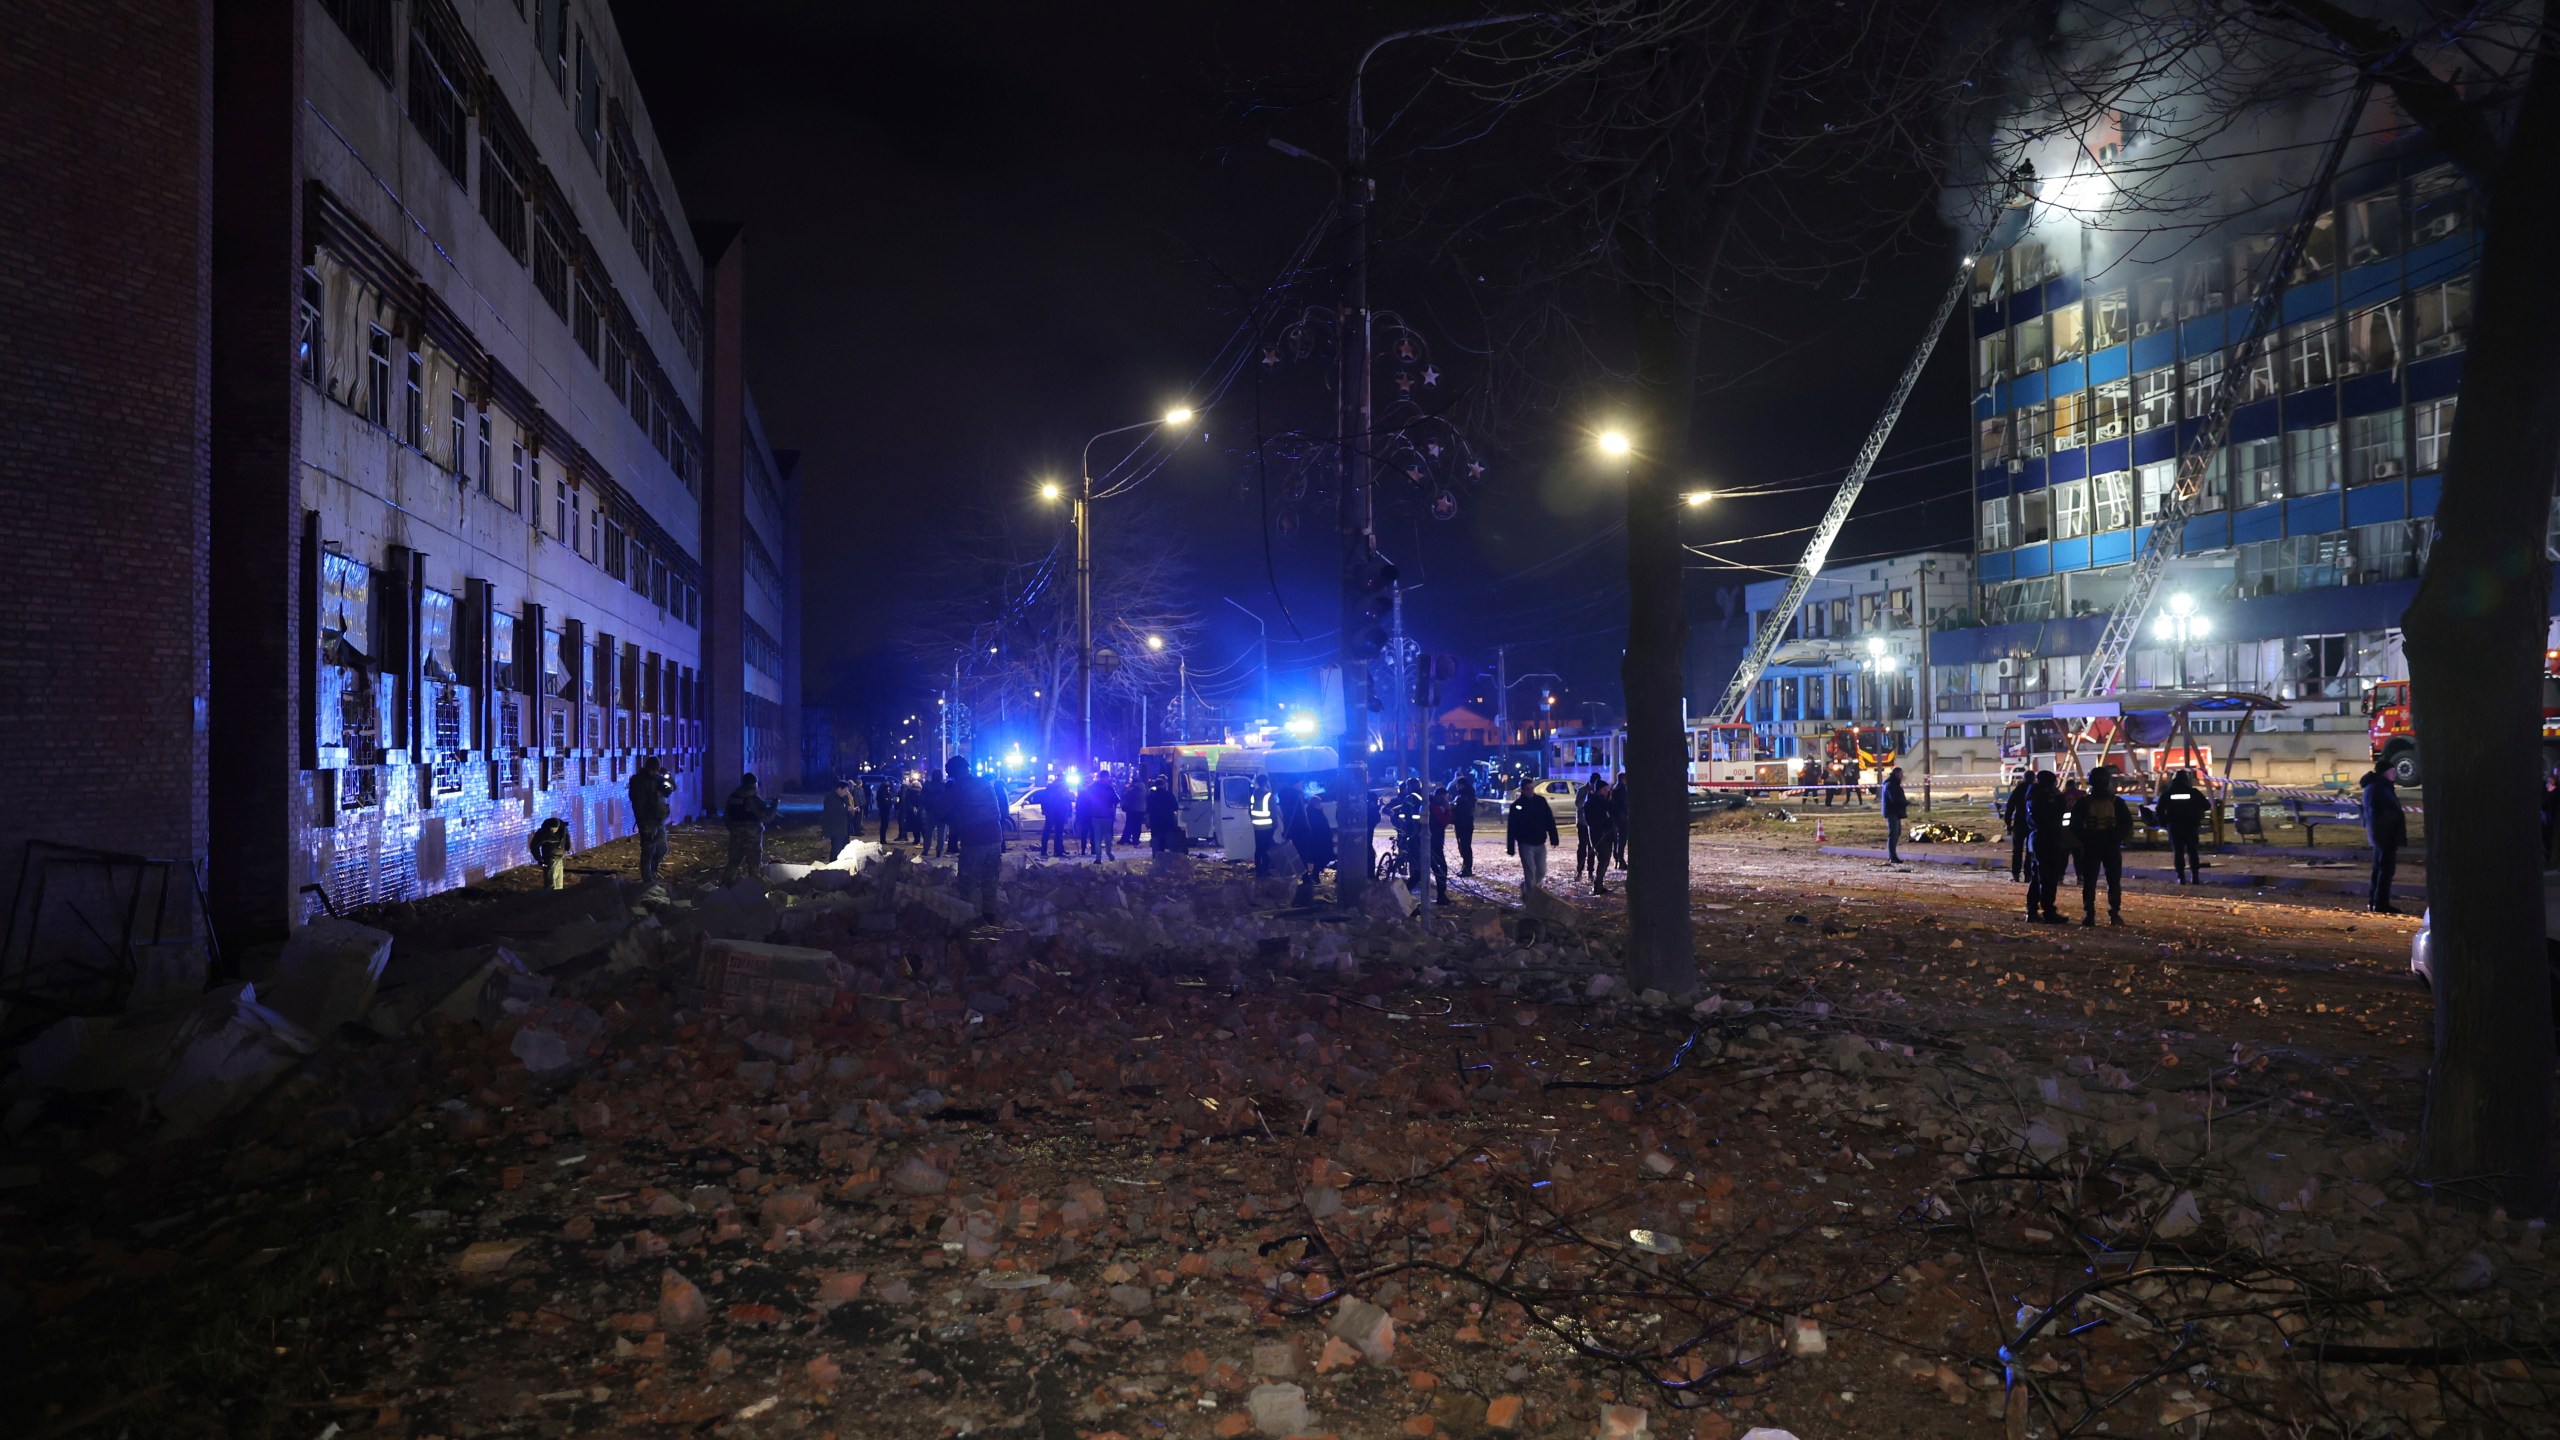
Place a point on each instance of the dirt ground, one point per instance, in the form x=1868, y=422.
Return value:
x=1913, y=1167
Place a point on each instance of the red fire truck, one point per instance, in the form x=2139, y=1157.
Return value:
x=2395, y=737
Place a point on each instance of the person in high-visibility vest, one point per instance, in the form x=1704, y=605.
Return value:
x=1265, y=825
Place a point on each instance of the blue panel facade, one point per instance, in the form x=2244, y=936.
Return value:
x=2424, y=490
x=2154, y=350
x=2312, y=515
x=2109, y=455
x=2205, y=532
x=2152, y=446
x=2312, y=407
x=2115, y=547
x=2309, y=301
x=2377, y=504
x=2109, y=364
x=2258, y=522
x=2065, y=465
x=2070, y=554
x=2030, y=561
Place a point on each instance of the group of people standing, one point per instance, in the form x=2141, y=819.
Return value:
x=2054, y=827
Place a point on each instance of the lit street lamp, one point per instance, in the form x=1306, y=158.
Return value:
x=2181, y=626
x=1880, y=667
x=1082, y=520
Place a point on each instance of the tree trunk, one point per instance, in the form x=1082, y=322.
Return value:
x=1659, y=952
x=2475, y=637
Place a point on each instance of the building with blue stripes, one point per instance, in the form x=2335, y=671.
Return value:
x=2306, y=542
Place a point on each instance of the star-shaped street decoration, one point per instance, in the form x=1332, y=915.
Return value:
x=1270, y=355
x=1414, y=472
x=1434, y=449
x=1404, y=382
x=1475, y=470
x=1430, y=375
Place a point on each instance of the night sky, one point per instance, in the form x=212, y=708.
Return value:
x=977, y=236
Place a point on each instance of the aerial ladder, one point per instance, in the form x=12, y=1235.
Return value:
x=2104, y=672
x=2008, y=218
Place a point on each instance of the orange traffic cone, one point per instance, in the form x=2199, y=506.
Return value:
x=1818, y=836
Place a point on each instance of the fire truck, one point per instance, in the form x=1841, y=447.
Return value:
x=2395, y=736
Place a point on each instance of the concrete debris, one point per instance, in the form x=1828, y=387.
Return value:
x=228, y=1049
x=746, y=977
x=1366, y=1328
x=328, y=973
x=1279, y=1410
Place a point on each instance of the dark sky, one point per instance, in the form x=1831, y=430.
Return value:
x=976, y=235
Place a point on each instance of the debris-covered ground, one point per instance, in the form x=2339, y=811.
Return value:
x=1162, y=1157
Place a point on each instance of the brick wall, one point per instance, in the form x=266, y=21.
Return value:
x=105, y=274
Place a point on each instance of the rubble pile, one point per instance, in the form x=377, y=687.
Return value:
x=1159, y=1156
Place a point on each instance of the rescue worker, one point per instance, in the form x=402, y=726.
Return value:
x=1266, y=824
x=1462, y=819
x=1896, y=807
x=1581, y=827
x=885, y=798
x=977, y=827
x=835, y=815
x=550, y=846
x=1527, y=832
x=2100, y=824
x=2386, y=829
x=650, y=787
x=2071, y=797
x=2013, y=813
x=1311, y=834
x=1618, y=820
x=2048, y=839
x=1098, y=814
x=1440, y=817
x=933, y=797
x=746, y=815
x=1599, y=833
x=2181, y=808
x=1133, y=801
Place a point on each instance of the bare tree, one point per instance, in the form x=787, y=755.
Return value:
x=1003, y=610
x=2217, y=104
x=1662, y=156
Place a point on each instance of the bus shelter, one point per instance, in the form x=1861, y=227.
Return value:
x=2147, y=734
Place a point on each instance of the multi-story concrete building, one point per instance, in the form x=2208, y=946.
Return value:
x=2090, y=371
x=1856, y=649
x=384, y=460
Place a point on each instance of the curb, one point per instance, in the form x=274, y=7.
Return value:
x=2221, y=874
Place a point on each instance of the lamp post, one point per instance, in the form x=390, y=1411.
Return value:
x=1082, y=519
x=1262, y=649
x=1880, y=665
x=2181, y=626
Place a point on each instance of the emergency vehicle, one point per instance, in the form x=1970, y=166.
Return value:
x=2395, y=736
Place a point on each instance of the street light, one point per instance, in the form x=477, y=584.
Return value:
x=1050, y=491
x=1695, y=498
x=1880, y=665
x=1615, y=444
x=1155, y=642
x=1082, y=520
x=2181, y=626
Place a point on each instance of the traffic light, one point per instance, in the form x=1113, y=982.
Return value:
x=1375, y=577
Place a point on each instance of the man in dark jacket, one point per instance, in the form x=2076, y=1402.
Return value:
x=835, y=815
x=1462, y=819
x=2048, y=839
x=2386, y=829
x=2013, y=813
x=650, y=787
x=1133, y=803
x=2181, y=809
x=1527, y=832
x=1311, y=835
x=1896, y=807
x=1057, y=804
x=1098, y=814
x=2099, y=825
x=550, y=846
x=746, y=815
x=1441, y=815
x=1164, y=818
x=1598, y=835
x=977, y=827
x=885, y=797
x=931, y=797
x=1618, y=795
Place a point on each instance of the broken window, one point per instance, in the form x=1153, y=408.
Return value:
x=1870, y=609
x=435, y=635
x=310, y=343
x=2108, y=319
x=2444, y=313
x=2310, y=355
x=2259, y=381
x=2373, y=227
x=488, y=455
x=2155, y=304
x=2155, y=483
x=2319, y=249
x=2259, y=468
x=2388, y=551
x=2439, y=205
x=2204, y=286
x=2026, y=345
x=2435, y=434
x=2035, y=509
x=2203, y=378
x=2313, y=460
x=437, y=84
x=457, y=431
x=346, y=611
x=2248, y=266
x=2111, y=406
x=2110, y=500
x=515, y=479
x=2155, y=397
x=413, y=409
x=502, y=655
x=2373, y=341
x=555, y=667
x=1990, y=278
x=2030, y=264
x=2070, y=420
x=2070, y=332
x=1995, y=524
x=377, y=374
x=2031, y=431
x=1841, y=618
x=1994, y=439
x=2375, y=447
x=590, y=679
x=1991, y=358
x=2071, y=510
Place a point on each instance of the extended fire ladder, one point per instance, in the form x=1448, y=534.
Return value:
x=2104, y=672
x=1782, y=616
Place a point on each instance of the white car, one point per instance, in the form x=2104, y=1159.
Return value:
x=2422, y=948
x=1559, y=797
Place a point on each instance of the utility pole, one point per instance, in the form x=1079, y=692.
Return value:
x=1923, y=682
x=1262, y=648
x=1402, y=708
x=1502, y=702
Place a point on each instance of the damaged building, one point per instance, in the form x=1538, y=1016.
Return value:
x=399, y=485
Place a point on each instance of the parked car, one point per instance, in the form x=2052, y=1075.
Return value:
x=1558, y=793
x=2422, y=948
